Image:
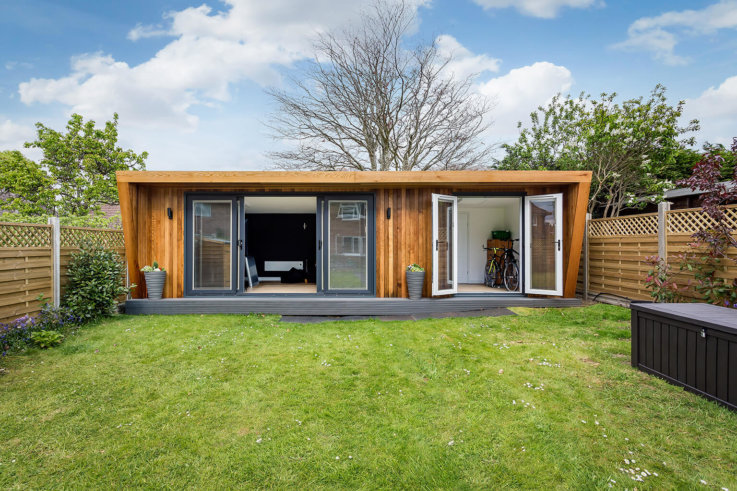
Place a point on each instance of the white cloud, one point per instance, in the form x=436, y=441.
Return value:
x=210, y=52
x=463, y=62
x=519, y=92
x=716, y=110
x=14, y=135
x=142, y=31
x=546, y=9
x=659, y=34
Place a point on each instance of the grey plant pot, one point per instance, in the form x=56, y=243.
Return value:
x=415, y=281
x=155, y=284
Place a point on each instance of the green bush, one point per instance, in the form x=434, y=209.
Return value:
x=95, y=221
x=95, y=283
x=46, y=339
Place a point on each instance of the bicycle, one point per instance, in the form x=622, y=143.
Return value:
x=502, y=269
x=493, y=276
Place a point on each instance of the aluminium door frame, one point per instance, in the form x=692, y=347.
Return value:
x=435, y=200
x=521, y=252
x=323, y=246
x=559, y=238
x=235, y=235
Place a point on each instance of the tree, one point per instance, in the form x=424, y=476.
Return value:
x=76, y=174
x=24, y=187
x=713, y=245
x=367, y=103
x=627, y=147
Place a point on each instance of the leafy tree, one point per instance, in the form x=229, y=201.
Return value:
x=24, y=187
x=628, y=146
x=367, y=103
x=686, y=159
x=76, y=174
x=710, y=252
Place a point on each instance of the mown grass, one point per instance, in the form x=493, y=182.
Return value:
x=246, y=401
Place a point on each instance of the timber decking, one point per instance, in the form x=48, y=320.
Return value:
x=331, y=306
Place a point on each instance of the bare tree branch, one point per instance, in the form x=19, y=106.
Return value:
x=367, y=103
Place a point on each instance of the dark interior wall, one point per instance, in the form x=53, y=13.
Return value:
x=282, y=237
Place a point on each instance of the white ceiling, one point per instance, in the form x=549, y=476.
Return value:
x=512, y=204
x=280, y=204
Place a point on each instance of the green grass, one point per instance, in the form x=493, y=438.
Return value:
x=246, y=401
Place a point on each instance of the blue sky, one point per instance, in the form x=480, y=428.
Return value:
x=188, y=77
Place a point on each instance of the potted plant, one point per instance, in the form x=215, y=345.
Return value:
x=415, y=280
x=155, y=279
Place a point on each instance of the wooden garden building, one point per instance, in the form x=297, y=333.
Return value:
x=256, y=240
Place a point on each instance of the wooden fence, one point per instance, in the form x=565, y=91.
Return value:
x=613, y=257
x=34, y=260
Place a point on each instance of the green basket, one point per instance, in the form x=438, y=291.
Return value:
x=501, y=234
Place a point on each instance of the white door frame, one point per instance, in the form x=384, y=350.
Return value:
x=436, y=198
x=558, y=198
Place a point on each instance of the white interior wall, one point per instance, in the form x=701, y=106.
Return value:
x=484, y=215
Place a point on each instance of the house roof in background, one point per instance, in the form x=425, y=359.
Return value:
x=680, y=192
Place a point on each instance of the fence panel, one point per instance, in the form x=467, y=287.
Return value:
x=27, y=259
x=25, y=268
x=72, y=237
x=617, y=248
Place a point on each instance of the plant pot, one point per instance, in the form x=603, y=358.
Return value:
x=155, y=284
x=415, y=281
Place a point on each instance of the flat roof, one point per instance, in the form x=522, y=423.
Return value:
x=379, y=178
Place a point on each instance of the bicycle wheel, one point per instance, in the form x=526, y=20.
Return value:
x=492, y=273
x=511, y=276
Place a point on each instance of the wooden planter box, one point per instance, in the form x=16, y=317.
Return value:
x=688, y=344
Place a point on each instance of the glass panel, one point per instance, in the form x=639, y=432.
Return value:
x=542, y=244
x=445, y=245
x=347, y=236
x=211, y=251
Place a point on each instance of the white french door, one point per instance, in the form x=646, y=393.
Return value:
x=444, y=244
x=543, y=262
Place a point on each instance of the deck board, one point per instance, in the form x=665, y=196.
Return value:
x=331, y=306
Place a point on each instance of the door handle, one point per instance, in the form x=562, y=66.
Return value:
x=557, y=242
x=437, y=245
x=240, y=244
x=319, y=245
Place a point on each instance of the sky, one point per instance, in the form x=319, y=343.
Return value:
x=189, y=78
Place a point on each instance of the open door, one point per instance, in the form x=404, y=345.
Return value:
x=544, y=244
x=445, y=244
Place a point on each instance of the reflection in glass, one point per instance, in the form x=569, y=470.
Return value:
x=212, y=245
x=347, y=235
x=445, y=245
x=542, y=244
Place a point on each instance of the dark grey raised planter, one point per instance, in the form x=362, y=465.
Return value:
x=415, y=281
x=155, y=283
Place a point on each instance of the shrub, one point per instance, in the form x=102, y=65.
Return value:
x=659, y=280
x=95, y=283
x=18, y=334
x=46, y=339
x=415, y=268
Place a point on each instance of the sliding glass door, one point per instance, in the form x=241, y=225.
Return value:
x=346, y=244
x=212, y=233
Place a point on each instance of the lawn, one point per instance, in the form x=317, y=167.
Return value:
x=543, y=399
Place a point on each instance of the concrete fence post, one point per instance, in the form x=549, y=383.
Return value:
x=55, y=260
x=663, y=209
x=586, y=258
